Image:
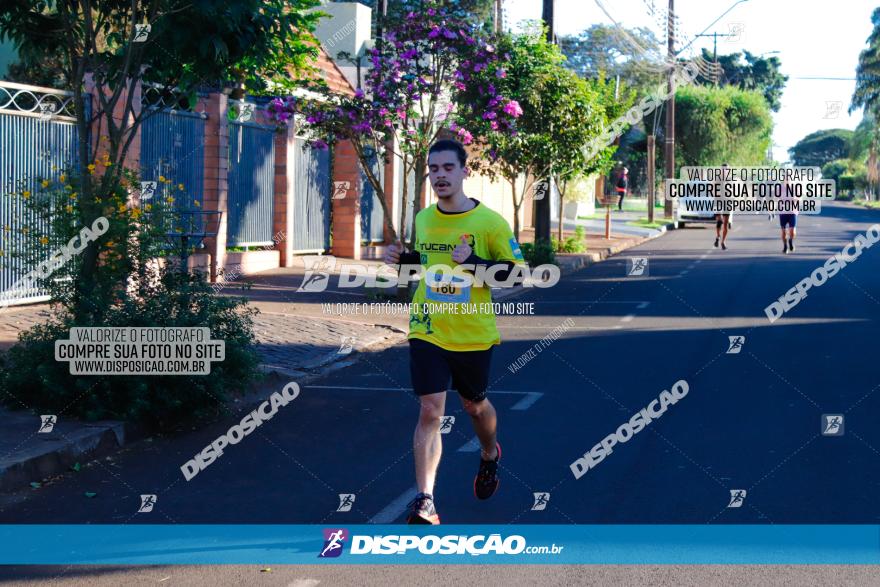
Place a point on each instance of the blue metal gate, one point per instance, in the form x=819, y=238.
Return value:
x=410, y=204
x=311, y=202
x=31, y=147
x=173, y=147
x=372, y=216
x=251, y=184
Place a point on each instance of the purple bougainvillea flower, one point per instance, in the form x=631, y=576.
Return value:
x=319, y=144
x=465, y=136
x=435, y=32
x=460, y=86
x=449, y=34
x=500, y=73
x=489, y=115
x=494, y=125
x=513, y=109
x=359, y=93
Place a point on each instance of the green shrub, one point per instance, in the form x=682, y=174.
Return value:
x=542, y=253
x=127, y=288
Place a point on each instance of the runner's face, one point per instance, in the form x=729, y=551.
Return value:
x=446, y=173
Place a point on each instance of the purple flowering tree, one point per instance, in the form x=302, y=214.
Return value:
x=558, y=114
x=427, y=61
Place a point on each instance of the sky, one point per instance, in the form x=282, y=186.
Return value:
x=814, y=38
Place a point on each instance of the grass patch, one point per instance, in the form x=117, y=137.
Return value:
x=873, y=205
x=643, y=223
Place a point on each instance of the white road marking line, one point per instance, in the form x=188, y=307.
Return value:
x=507, y=327
x=473, y=445
x=528, y=401
x=591, y=302
x=628, y=318
x=391, y=511
x=352, y=387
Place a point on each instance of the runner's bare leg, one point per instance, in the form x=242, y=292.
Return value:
x=485, y=421
x=427, y=446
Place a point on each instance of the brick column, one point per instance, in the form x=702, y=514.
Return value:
x=285, y=179
x=346, y=211
x=216, y=172
x=99, y=127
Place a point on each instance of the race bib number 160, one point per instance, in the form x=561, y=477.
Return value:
x=447, y=288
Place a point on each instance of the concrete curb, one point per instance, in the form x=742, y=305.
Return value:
x=43, y=455
x=572, y=262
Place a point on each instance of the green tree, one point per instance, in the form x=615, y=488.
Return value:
x=251, y=42
x=612, y=51
x=717, y=125
x=116, y=279
x=561, y=113
x=867, y=92
x=820, y=147
x=834, y=169
x=756, y=73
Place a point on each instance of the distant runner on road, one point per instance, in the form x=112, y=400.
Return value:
x=722, y=219
x=446, y=346
x=789, y=221
x=622, y=186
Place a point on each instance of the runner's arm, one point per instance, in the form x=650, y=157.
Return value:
x=501, y=275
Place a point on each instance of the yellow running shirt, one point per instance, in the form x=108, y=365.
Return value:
x=452, y=315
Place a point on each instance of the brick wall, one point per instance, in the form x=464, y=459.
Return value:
x=285, y=192
x=216, y=173
x=346, y=218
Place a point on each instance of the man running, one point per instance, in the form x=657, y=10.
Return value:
x=722, y=219
x=788, y=220
x=454, y=346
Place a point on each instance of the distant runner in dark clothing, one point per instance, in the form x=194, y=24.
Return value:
x=622, y=185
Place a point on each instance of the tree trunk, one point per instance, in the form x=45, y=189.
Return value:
x=560, y=221
x=419, y=166
x=516, y=206
x=374, y=182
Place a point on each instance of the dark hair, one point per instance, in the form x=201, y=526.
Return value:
x=450, y=145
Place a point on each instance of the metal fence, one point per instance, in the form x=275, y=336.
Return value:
x=251, y=159
x=173, y=148
x=38, y=139
x=372, y=216
x=311, y=202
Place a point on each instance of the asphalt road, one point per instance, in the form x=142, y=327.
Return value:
x=750, y=421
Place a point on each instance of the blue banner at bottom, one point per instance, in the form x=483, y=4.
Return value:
x=447, y=544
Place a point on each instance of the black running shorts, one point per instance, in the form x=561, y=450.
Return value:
x=432, y=367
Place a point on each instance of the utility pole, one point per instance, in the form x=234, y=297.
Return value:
x=498, y=17
x=381, y=14
x=541, y=209
x=715, y=49
x=669, y=139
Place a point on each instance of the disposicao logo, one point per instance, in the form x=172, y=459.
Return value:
x=334, y=538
